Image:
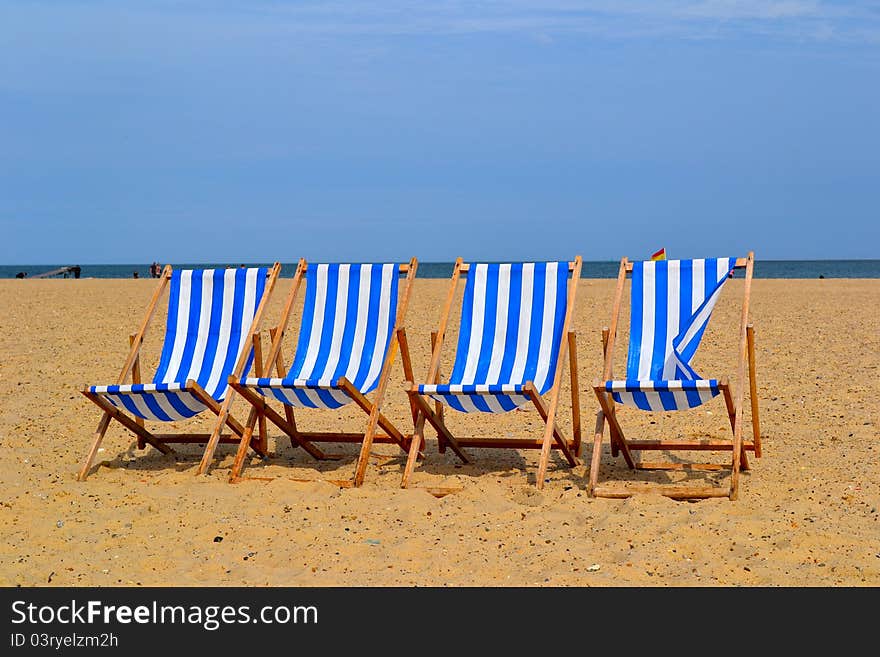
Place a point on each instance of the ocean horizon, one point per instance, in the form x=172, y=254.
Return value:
x=796, y=269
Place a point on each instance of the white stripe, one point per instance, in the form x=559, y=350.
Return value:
x=654, y=402
x=705, y=393
x=312, y=396
x=388, y=271
x=701, y=318
x=627, y=398
x=519, y=400
x=698, y=284
x=477, y=316
x=360, y=329
x=225, y=331
x=166, y=406
x=544, y=350
x=500, y=324
x=648, y=310
x=339, y=317
x=180, y=329
x=722, y=266
x=248, y=311
x=317, y=323
x=493, y=403
x=116, y=400
x=340, y=396
x=525, y=320
x=672, y=316
x=141, y=405
x=191, y=402
x=202, y=330
x=681, y=400
x=467, y=404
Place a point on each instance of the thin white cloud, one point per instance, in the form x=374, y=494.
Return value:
x=798, y=20
x=700, y=19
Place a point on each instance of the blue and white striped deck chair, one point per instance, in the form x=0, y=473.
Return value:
x=671, y=303
x=512, y=341
x=350, y=330
x=213, y=318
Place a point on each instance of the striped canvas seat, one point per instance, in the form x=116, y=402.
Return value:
x=210, y=312
x=672, y=301
x=348, y=319
x=510, y=332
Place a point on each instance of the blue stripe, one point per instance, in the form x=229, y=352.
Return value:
x=535, y=328
x=129, y=405
x=174, y=399
x=262, y=275
x=661, y=291
x=685, y=293
x=351, y=312
x=667, y=399
x=170, y=326
x=192, y=329
x=372, y=325
x=513, y=307
x=213, y=328
x=305, y=330
x=489, y=317
x=693, y=397
x=154, y=407
x=327, y=398
x=327, y=321
x=641, y=400
x=635, y=322
x=465, y=328
x=559, y=320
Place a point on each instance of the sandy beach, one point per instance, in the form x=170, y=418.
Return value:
x=807, y=513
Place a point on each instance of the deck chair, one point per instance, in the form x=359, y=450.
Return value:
x=351, y=327
x=512, y=341
x=211, y=332
x=671, y=303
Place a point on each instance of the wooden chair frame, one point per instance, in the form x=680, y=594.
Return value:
x=307, y=439
x=620, y=444
x=422, y=404
x=132, y=369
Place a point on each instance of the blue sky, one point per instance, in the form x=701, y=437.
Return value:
x=252, y=130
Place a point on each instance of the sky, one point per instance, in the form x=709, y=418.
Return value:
x=258, y=130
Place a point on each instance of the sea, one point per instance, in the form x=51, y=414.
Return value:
x=591, y=269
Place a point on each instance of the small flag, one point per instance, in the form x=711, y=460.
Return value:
x=659, y=255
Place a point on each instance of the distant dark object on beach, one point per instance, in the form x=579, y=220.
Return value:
x=21, y=274
x=64, y=272
x=821, y=275
x=134, y=274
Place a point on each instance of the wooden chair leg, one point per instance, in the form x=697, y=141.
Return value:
x=415, y=445
x=575, y=394
x=731, y=414
x=753, y=391
x=96, y=443
x=597, y=452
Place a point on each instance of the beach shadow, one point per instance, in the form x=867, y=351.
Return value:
x=613, y=469
x=185, y=457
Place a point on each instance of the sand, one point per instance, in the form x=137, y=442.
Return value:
x=807, y=514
